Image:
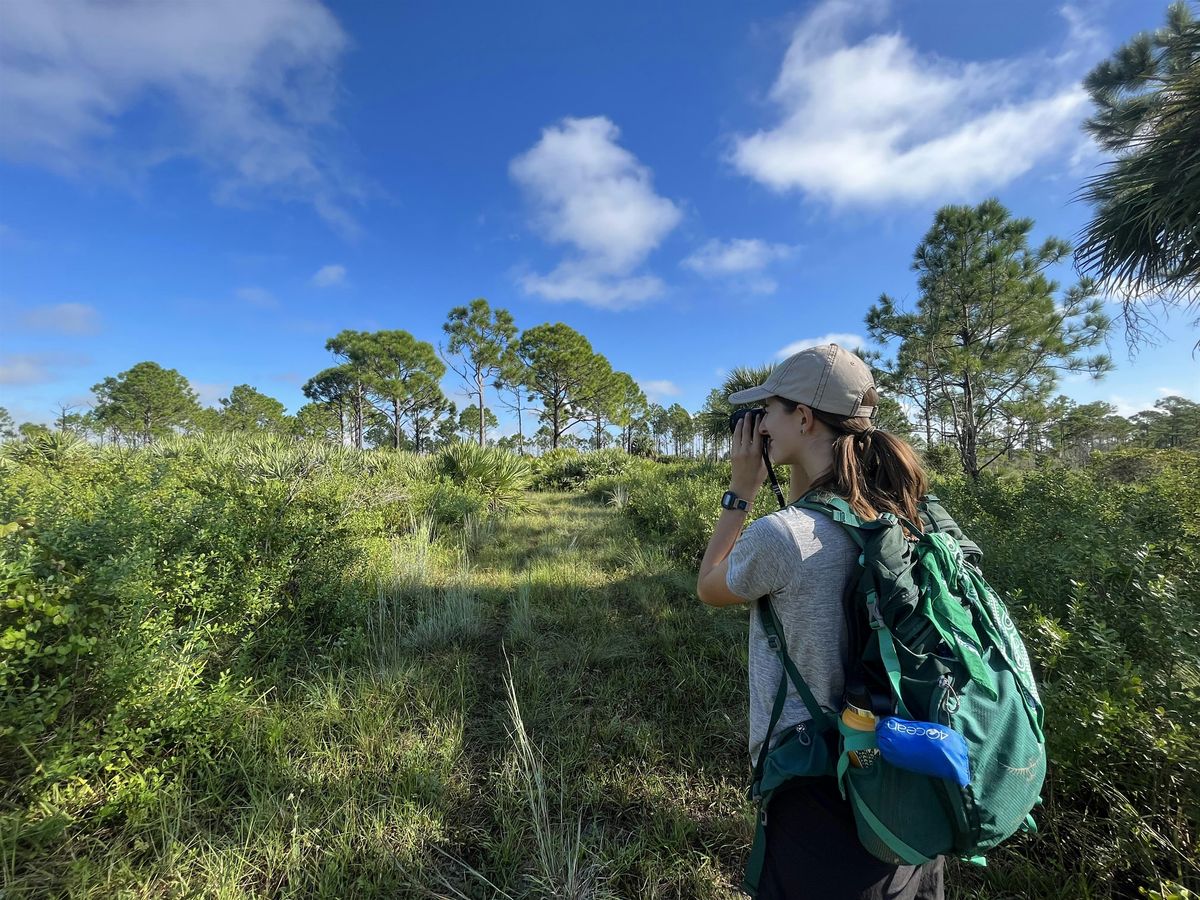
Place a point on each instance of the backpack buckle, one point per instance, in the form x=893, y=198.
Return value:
x=873, y=616
x=773, y=642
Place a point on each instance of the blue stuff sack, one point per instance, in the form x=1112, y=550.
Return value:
x=925, y=748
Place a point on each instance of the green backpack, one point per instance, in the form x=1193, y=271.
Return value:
x=932, y=642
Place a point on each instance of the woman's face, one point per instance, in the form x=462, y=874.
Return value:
x=784, y=428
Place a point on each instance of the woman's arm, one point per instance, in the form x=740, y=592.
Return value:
x=749, y=470
x=711, y=585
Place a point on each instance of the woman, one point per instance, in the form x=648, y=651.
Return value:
x=819, y=406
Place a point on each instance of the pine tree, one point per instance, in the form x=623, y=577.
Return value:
x=1143, y=239
x=989, y=330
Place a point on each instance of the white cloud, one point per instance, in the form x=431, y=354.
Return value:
x=588, y=283
x=244, y=88
x=1128, y=407
x=1118, y=292
x=759, y=285
x=328, y=276
x=660, y=389
x=736, y=256
x=876, y=121
x=62, y=318
x=24, y=368
x=849, y=341
x=591, y=194
x=257, y=296
x=36, y=368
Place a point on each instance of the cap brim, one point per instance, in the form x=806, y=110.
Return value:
x=749, y=395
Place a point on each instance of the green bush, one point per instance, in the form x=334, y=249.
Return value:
x=942, y=459
x=44, y=629
x=571, y=470
x=500, y=477
x=144, y=591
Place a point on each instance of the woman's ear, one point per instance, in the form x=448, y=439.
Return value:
x=805, y=417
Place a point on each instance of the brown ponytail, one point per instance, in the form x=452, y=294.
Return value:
x=874, y=471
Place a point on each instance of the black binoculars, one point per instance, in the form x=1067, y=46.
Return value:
x=755, y=414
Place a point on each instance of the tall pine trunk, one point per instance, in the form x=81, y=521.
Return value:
x=482, y=411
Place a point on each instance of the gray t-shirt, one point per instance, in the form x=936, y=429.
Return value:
x=803, y=560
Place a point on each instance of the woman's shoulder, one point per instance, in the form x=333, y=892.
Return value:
x=801, y=526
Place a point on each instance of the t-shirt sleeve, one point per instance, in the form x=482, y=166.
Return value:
x=762, y=559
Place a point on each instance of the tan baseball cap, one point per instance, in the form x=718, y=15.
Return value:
x=828, y=378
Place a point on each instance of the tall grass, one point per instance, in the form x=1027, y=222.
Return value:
x=562, y=868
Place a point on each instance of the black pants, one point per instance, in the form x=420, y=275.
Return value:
x=813, y=852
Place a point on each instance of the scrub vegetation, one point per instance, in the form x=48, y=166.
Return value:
x=244, y=667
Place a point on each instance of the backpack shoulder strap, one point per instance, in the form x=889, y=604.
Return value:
x=865, y=590
x=774, y=631
x=822, y=721
x=837, y=509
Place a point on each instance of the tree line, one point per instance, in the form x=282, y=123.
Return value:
x=972, y=374
x=384, y=390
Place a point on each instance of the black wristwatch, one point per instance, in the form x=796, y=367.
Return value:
x=730, y=500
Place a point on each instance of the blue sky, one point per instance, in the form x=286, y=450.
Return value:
x=221, y=186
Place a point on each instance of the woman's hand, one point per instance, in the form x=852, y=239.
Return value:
x=749, y=470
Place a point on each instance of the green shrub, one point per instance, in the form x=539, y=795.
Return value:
x=500, y=477
x=942, y=459
x=570, y=470
x=44, y=629
x=144, y=591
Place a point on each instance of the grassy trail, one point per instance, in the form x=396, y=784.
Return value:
x=395, y=765
x=626, y=787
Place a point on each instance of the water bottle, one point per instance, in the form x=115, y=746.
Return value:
x=858, y=715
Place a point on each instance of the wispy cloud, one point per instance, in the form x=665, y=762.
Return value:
x=1127, y=407
x=591, y=194
x=736, y=256
x=62, y=318
x=660, y=389
x=842, y=339
x=328, y=276
x=740, y=263
x=874, y=121
x=36, y=368
x=245, y=89
x=257, y=296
